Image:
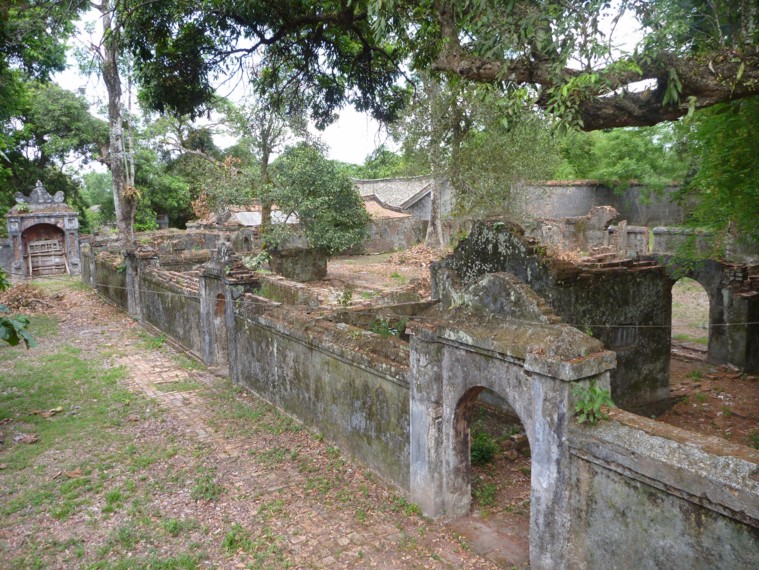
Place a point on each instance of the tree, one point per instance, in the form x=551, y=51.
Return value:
x=724, y=145
x=695, y=53
x=328, y=209
x=327, y=49
x=645, y=155
x=49, y=128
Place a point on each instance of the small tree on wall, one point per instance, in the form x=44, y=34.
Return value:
x=329, y=210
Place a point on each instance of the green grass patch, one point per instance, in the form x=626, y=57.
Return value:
x=689, y=338
x=189, y=363
x=151, y=342
x=205, y=487
x=181, y=386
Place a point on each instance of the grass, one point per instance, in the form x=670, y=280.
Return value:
x=689, y=338
x=151, y=342
x=85, y=465
x=189, y=363
x=180, y=386
x=483, y=493
x=753, y=437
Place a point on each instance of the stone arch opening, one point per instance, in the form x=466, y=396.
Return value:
x=246, y=244
x=44, y=247
x=691, y=314
x=493, y=451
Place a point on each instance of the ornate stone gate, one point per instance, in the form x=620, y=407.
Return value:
x=44, y=234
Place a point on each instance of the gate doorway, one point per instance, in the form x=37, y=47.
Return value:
x=45, y=250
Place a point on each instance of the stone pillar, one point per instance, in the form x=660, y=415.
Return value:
x=427, y=487
x=213, y=330
x=132, y=268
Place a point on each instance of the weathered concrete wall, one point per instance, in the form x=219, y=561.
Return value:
x=630, y=489
x=171, y=307
x=558, y=200
x=348, y=383
x=661, y=497
x=390, y=234
x=626, y=306
x=109, y=278
x=6, y=255
x=299, y=264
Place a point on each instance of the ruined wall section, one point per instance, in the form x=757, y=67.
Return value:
x=350, y=384
x=627, y=305
x=662, y=496
x=170, y=302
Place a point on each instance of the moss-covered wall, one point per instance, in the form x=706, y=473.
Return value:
x=662, y=497
x=627, y=307
x=350, y=384
x=171, y=308
x=109, y=278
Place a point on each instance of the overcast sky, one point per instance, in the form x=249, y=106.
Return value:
x=350, y=139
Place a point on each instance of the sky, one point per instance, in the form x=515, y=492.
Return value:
x=350, y=139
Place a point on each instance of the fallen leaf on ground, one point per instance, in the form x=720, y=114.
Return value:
x=27, y=438
x=58, y=474
x=74, y=474
x=48, y=413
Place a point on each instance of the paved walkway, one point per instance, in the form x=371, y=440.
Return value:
x=330, y=517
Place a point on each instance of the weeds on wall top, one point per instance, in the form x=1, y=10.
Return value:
x=589, y=402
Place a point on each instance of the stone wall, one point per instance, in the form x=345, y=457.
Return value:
x=108, y=276
x=662, y=497
x=391, y=234
x=629, y=489
x=349, y=384
x=6, y=256
x=563, y=199
x=626, y=305
x=172, y=304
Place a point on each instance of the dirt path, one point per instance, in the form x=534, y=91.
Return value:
x=241, y=485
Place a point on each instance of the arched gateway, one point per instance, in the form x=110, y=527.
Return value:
x=44, y=234
x=534, y=367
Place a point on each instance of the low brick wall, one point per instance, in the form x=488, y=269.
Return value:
x=662, y=497
x=171, y=307
x=109, y=278
x=348, y=383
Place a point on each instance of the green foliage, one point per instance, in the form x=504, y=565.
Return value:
x=589, y=402
x=754, y=439
x=483, y=493
x=724, y=144
x=483, y=448
x=13, y=327
x=386, y=328
x=335, y=60
x=256, y=262
x=646, y=155
x=329, y=210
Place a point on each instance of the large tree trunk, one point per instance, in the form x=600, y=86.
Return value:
x=124, y=198
x=265, y=200
x=434, y=237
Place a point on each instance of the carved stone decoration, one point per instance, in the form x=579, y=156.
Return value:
x=41, y=196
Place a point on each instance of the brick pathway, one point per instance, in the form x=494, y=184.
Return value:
x=319, y=531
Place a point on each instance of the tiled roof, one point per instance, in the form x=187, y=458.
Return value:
x=395, y=192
